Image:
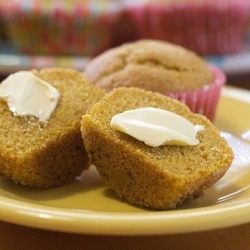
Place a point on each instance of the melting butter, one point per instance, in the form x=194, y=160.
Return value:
x=156, y=127
x=28, y=95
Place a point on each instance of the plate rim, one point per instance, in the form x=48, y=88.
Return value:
x=133, y=223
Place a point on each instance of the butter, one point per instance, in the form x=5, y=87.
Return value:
x=28, y=95
x=156, y=127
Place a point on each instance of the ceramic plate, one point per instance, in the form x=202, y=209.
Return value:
x=89, y=206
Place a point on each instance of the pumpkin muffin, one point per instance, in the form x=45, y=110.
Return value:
x=48, y=155
x=162, y=67
x=161, y=177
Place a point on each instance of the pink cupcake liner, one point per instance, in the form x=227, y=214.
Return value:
x=204, y=100
x=213, y=27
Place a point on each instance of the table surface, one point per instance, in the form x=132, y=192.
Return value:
x=20, y=238
x=236, y=238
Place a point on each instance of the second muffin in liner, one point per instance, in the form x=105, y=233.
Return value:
x=161, y=67
x=60, y=27
x=205, y=26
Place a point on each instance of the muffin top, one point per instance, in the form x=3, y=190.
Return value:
x=149, y=64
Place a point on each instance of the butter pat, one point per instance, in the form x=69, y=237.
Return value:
x=156, y=127
x=29, y=95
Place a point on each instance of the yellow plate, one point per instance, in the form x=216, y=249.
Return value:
x=88, y=206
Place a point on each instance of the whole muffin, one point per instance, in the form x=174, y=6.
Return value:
x=161, y=67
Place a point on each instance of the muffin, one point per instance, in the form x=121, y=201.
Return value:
x=208, y=27
x=51, y=154
x=61, y=27
x=162, y=67
x=161, y=177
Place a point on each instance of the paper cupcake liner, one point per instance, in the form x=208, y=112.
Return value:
x=204, y=100
x=213, y=27
x=60, y=27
